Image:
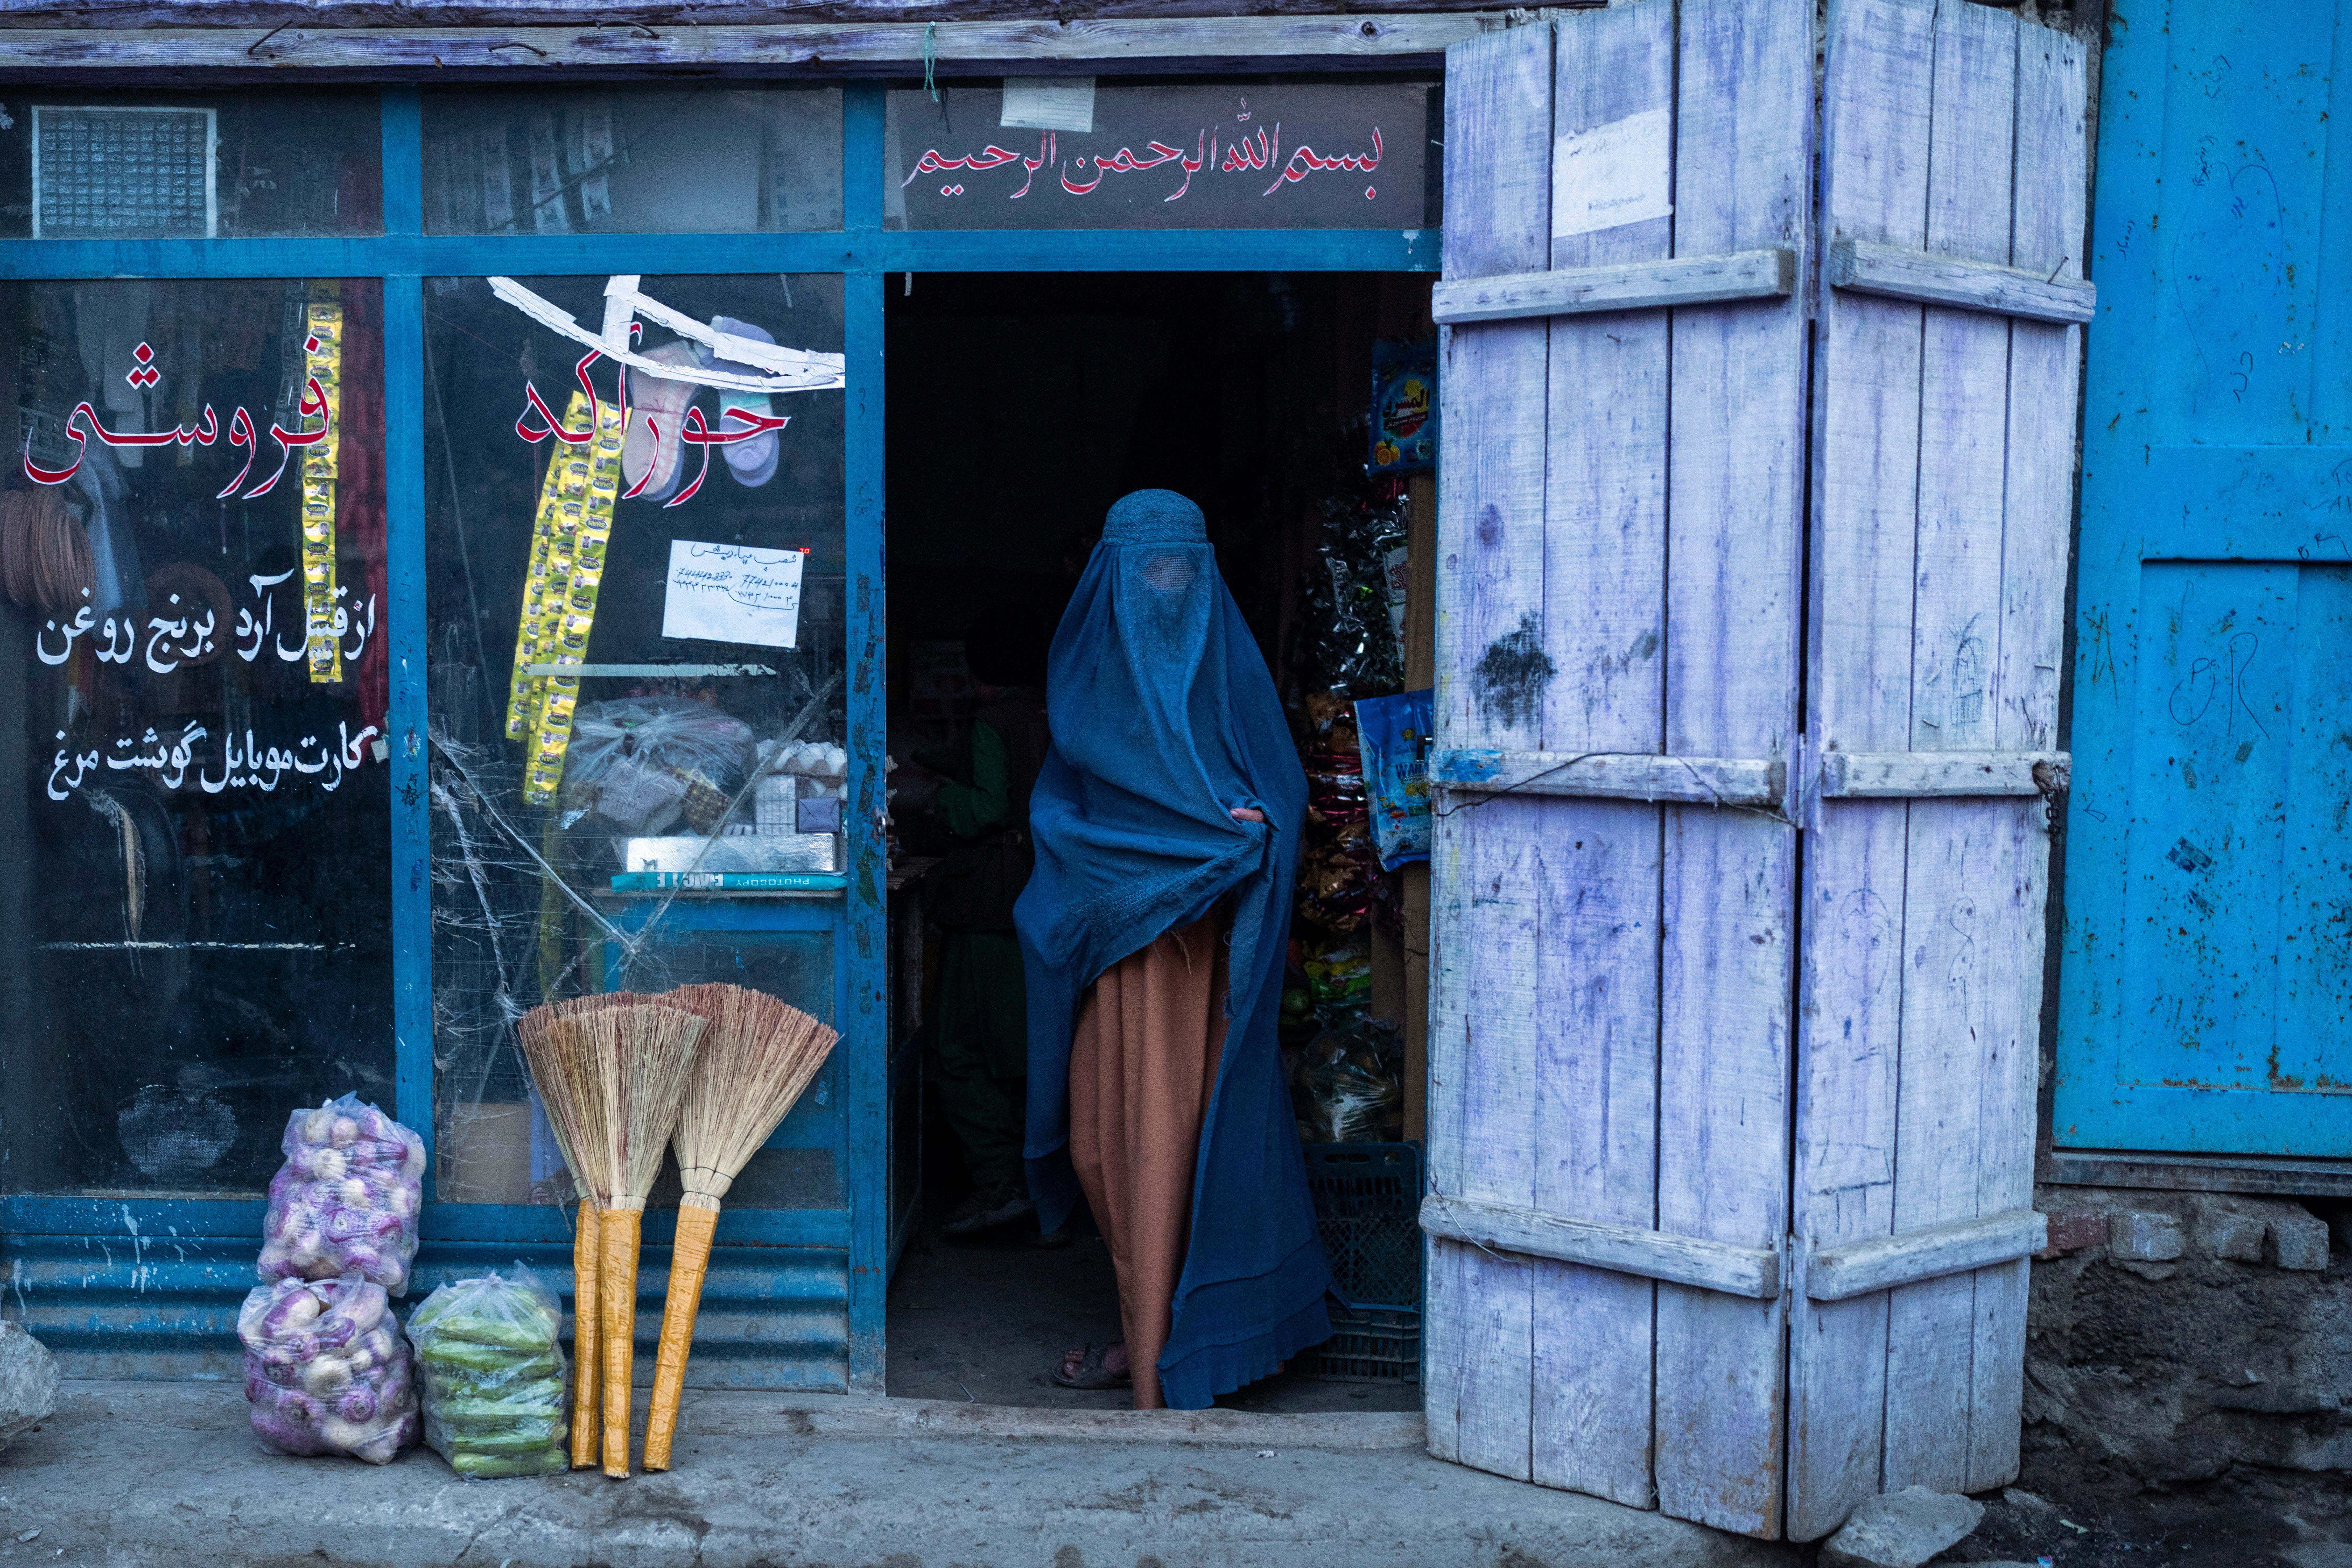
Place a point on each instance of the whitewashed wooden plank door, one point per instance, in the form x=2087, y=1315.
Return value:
x=1942, y=468
x=1620, y=519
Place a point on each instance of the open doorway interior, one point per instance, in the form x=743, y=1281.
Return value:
x=1020, y=407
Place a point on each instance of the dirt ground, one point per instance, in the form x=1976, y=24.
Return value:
x=986, y=1321
x=2247, y=1518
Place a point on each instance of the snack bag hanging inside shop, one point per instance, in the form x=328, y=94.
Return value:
x=494, y=1400
x=326, y=1371
x=346, y=1200
x=1404, y=407
x=1394, y=732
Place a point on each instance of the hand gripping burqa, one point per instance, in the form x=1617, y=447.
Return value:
x=1164, y=720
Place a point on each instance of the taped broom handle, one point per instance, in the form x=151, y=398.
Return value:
x=617, y=1281
x=689, y=1260
x=587, y=1308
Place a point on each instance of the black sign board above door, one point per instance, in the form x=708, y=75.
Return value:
x=1309, y=155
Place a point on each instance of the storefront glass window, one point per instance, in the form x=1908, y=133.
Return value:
x=650, y=159
x=79, y=164
x=194, y=913
x=1072, y=155
x=662, y=511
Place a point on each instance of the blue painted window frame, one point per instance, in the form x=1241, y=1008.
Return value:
x=864, y=253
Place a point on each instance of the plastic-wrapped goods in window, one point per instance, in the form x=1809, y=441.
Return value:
x=637, y=673
x=326, y=1371
x=494, y=1376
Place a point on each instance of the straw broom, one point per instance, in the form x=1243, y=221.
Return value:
x=756, y=1058
x=625, y=1068
x=534, y=1028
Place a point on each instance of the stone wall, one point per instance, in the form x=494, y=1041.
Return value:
x=2172, y=1336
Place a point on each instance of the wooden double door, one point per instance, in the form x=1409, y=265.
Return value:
x=1760, y=414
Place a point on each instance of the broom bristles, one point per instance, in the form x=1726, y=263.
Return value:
x=756, y=1059
x=556, y=1093
x=612, y=1073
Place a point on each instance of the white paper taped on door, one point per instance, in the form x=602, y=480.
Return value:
x=726, y=593
x=1613, y=174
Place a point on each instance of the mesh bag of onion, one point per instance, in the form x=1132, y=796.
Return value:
x=346, y=1200
x=326, y=1370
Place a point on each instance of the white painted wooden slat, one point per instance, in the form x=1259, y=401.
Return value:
x=1906, y=776
x=1929, y=278
x=1859, y=1267
x=537, y=54
x=1743, y=180
x=1849, y=1012
x=1753, y=1272
x=1876, y=95
x=2048, y=210
x=1956, y=980
x=2017, y=895
x=1594, y=1089
x=1478, y=1360
x=1951, y=927
x=2043, y=362
x=1495, y=922
x=1963, y=413
x=1622, y=776
x=1624, y=286
x=1448, y=1345
x=1603, y=632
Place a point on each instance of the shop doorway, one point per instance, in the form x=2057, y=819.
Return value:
x=1020, y=406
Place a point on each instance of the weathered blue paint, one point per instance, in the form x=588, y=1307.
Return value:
x=795, y=1296
x=1464, y=767
x=2207, y=975
x=532, y=256
x=405, y=624
x=865, y=957
x=160, y=1305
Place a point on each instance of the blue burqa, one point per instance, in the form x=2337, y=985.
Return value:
x=1164, y=720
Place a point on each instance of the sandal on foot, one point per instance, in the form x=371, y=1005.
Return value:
x=1091, y=1373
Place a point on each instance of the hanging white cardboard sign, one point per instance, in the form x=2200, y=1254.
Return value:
x=1049, y=103
x=725, y=592
x=1613, y=174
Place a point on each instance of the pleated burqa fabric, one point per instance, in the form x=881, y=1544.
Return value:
x=1164, y=720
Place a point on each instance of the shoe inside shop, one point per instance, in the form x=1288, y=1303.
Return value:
x=1023, y=408
x=560, y=767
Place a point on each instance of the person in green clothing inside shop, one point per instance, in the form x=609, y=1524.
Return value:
x=980, y=1029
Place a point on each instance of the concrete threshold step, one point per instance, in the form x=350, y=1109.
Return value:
x=132, y=1473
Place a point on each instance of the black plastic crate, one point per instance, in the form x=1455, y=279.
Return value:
x=1374, y=1345
x=1368, y=1209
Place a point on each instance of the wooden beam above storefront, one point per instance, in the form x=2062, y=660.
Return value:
x=1387, y=41
x=262, y=15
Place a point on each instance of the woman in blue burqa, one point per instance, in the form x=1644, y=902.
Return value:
x=1166, y=824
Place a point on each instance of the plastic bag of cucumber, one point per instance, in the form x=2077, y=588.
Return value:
x=493, y=1376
